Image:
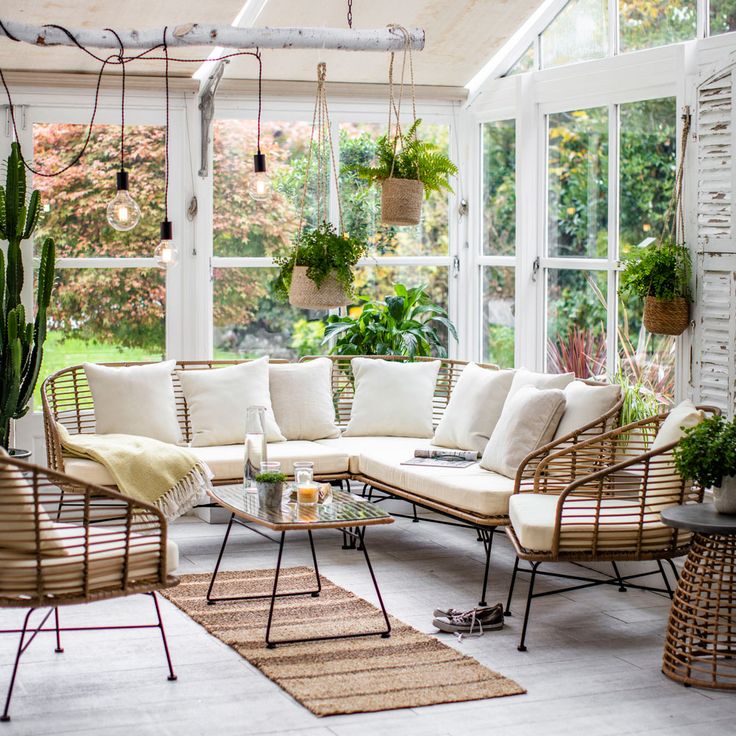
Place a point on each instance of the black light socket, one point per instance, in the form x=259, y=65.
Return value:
x=167, y=232
x=259, y=163
x=122, y=180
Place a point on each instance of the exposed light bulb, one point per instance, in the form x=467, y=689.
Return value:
x=166, y=253
x=259, y=186
x=123, y=212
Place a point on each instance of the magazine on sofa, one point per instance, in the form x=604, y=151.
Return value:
x=443, y=458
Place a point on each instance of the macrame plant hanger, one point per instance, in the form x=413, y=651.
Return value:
x=401, y=199
x=672, y=316
x=303, y=292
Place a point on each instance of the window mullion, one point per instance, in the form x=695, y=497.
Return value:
x=613, y=235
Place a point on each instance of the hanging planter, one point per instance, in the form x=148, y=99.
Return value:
x=660, y=273
x=666, y=316
x=407, y=168
x=318, y=274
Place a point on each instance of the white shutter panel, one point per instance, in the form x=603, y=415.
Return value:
x=715, y=310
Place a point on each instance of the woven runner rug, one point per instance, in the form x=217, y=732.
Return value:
x=407, y=670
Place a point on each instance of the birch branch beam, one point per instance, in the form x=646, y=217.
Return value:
x=200, y=34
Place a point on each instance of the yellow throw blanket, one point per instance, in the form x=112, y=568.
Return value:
x=170, y=478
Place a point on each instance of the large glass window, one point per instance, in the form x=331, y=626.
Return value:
x=498, y=245
x=578, y=33
x=644, y=24
x=577, y=183
x=722, y=16
x=114, y=313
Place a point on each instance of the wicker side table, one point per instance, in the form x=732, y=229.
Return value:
x=700, y=644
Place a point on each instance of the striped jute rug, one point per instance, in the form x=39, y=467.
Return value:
x=345, y=675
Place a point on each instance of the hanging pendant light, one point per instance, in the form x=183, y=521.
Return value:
x=166, y=252
x=259, y=186
x=123, y=212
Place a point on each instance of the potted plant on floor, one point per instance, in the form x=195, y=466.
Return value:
x=660, y=274
x=21, y=342
x=408, y=169
x=319, y=274
x=404, y=324
x=707, y=454
x=270, y=489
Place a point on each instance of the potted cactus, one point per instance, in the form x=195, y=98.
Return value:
x=21, y=342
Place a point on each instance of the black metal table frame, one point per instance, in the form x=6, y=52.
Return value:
x=358, y=533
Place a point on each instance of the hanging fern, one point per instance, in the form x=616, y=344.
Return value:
x=415, y=159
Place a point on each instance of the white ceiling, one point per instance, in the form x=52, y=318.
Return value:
x=461, y=34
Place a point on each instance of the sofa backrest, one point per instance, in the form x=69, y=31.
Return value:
x=343, y=386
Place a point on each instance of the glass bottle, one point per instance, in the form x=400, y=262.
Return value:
x=256, y=450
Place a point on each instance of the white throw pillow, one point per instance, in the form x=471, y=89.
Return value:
x=301, y=396
x=528, y=421
x=524, y=377
x=683, y=416
x=584, y=404
x=392, y=399
x=137, y=400
x=218, y=399
x=474, y=408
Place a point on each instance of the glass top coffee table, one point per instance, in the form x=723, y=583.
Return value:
x=347, y=513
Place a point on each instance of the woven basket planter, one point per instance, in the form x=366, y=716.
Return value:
x=401, y=201
x=666, y=316
x=304, y=293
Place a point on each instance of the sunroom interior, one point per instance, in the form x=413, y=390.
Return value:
x=574, y=260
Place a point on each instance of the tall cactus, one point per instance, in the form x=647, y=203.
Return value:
x=21, y=342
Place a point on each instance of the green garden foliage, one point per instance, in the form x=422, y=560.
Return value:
x=707, y=452
x=404, y=324
x=21, y=342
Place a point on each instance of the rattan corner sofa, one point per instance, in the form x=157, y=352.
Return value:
x=471, y=496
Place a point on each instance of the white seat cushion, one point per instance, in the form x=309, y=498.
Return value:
x=226, y=461
x=353, y=447
x=533, y=518
x=65, y=575
x=470, y=489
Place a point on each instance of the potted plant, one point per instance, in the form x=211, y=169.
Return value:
x=21, y=342
x=660, y=274
x=404, y=324
x=270, y=489
x=407, y=169
x=707, y=454
x=318, y=274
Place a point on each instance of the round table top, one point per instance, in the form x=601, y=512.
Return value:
x=700, y=517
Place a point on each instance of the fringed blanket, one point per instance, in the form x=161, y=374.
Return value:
x=169, y=477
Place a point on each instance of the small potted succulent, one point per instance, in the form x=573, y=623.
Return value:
x=660, y=274
x=270, y=489
x=707, y=454
x=407, y=169
x=319, y=273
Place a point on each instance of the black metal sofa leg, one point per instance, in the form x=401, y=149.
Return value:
x=507, y=612
x=529, y=597
x=21, y=648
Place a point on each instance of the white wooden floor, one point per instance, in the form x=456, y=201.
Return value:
x=593, y=665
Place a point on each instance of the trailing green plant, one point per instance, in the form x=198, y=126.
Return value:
x=660, y=270
x=270, y=477
x=410, y=158
x=21, y=342
x=707, y=452
x=404, y=324
x=323, y=251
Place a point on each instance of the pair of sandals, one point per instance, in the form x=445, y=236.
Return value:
x=473, y=622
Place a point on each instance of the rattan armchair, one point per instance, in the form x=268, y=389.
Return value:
x=600, y=501
x=101, y=545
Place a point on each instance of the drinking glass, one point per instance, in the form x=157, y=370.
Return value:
x=303, y=472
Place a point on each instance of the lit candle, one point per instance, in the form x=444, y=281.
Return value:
x=307, y=493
